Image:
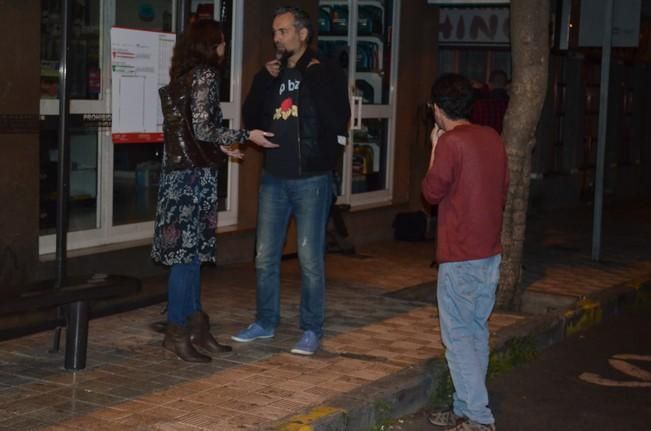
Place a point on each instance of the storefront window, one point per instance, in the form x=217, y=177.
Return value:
x=136, y=166
x=358, y=34
x=220, y=10
x=370, y=156
x=82, y=210
x=84, y=68
x=113, y=185
x=85, y=84
x=154, y=15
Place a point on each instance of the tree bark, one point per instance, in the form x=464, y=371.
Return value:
x=530, y=56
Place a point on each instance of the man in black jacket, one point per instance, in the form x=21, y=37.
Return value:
x=304, y=102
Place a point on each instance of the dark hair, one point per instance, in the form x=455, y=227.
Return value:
x=498, y=78
x=301, y=19
x=196, y=46
x=453, y=94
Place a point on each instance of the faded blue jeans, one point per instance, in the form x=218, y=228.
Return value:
x=309, y=200
x=466, y=296
x=183, y=291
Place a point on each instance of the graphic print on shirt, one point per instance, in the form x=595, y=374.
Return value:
x=287, y=106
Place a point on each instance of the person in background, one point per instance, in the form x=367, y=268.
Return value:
x=491, y=103
x=468, y=178
x=186, y=213
x=304, y=102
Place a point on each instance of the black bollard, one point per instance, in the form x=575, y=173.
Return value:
x=76, y=336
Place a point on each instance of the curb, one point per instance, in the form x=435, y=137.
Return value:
x=413, y=388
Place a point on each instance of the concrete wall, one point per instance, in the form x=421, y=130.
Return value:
x=19, y=167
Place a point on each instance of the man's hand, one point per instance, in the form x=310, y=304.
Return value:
x=259, y=137
x=273, y=67
x=434, y=138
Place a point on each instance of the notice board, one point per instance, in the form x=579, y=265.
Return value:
x=140, y=63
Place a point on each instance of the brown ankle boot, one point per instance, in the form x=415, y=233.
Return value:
x=177, y=340
x=200, y=336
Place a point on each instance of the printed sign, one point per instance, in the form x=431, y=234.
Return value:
x=140, y=63
x=474, y=26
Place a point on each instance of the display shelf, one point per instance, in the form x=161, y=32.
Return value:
x=333, y=17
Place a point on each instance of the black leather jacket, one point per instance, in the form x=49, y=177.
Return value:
x=192, y=121
x=328, y=92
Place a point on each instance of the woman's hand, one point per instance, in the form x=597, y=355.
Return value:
x=232, y=151
x=259, y=137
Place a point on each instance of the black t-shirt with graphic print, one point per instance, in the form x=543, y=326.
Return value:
x=284, y=161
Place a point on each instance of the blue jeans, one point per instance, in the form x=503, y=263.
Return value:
x=466, y=296
x=309, y=200
x=183, y=291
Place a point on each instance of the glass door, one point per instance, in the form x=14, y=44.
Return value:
x=231, y=14
x=359, y=34
x=114, y=187
x=88, y=100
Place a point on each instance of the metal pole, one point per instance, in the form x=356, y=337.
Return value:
x=182, y=14
x=603, y=120
x=564, y=33
x=63, y=177
x=76, y=336
x=63, y=165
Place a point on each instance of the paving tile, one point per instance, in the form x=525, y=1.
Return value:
x=22, y=423
x=269, y=412
x=87, y=423
x=185, y=405
x=107, y=414
x=131, y=383
x=275, y=392
x=198, y=420
x=139, y=421
x=57, y=428
x=133, y=406
x=237, y=405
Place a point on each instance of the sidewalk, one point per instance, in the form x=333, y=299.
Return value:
x=381, y=355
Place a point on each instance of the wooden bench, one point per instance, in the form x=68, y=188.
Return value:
x=75, y=298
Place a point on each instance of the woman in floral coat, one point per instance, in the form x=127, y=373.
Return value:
x=186, y=215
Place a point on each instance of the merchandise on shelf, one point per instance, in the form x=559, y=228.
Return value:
x=324, y=20
x=339, y=17
x=365, y=90
x=367, y=56
x=363, y=159
x=370, y=20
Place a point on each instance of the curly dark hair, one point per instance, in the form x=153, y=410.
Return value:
x=196, y=46
x=453, y=94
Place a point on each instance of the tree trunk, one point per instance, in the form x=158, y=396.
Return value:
x=530, y=55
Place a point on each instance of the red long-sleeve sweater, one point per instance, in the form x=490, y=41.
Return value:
x=469, y=181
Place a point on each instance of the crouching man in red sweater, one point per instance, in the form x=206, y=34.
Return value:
x=468, y=180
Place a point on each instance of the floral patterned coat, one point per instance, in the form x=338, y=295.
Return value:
x=186, y=214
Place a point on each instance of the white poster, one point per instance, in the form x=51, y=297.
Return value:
x=140, y=63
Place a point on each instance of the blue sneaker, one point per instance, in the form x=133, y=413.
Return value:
x=253, y=332
x=307, y=345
